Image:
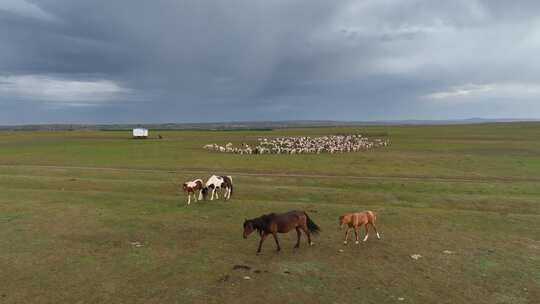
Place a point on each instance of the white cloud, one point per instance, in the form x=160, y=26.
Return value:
x=51, y=89
x=472, y=92
x=26, y=9
x=460, y=91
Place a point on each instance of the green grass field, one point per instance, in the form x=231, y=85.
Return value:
x=73, y=206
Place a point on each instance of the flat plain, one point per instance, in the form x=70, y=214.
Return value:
x=95, y=216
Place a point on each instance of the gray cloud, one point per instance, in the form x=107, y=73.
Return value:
x=157, y=61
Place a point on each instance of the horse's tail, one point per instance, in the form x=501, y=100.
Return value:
x=373, y=216
x=312, y=227
x=230, y=185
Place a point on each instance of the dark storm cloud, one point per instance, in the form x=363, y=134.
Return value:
x=153, y=61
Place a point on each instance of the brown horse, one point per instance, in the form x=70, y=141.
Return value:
x=356, y=220
x=281, y=223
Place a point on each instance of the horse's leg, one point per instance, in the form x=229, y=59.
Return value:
x=375, y=228
x=277, y=242
x=263, y=236
x=189, y=198
x=195, y=195
x=346, y=235
x=306, y=231
x=217, y=193
x=212, y=197
x=298, y=234
x=356, y=235
x=367, y=232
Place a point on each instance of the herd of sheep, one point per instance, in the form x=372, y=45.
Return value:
x=304, y=144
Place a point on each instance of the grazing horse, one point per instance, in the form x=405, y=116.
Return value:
x=218, y=182
x=192, y=187
x=281, y=223
x=356, y=220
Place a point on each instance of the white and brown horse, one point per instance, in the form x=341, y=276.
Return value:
x=356, y=220
x=193, y=187
x=216, y=183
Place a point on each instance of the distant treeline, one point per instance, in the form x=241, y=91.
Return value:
x=218, y=126
x=249, y=126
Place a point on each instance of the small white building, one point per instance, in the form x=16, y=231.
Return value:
x=140, y=133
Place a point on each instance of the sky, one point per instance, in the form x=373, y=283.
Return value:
x=139, y=61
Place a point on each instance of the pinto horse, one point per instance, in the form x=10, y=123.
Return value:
x=192, y=187
x=356, y=220
x=281, y=223
x=217, y=182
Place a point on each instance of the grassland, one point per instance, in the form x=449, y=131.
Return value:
x=74, y=206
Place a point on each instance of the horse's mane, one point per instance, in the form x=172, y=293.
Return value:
x=262, y=223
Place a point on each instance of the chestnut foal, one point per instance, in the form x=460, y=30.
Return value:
x=356, y=220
